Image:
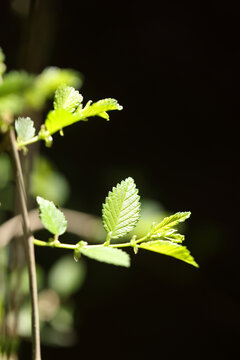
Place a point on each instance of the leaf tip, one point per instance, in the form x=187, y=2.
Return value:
x=39, y=199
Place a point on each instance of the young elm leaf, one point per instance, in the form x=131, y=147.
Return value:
x=67, y=98
x=168, y=248
x=169, y=222
x=58, y=119
x=62, y=116
x=99, y=108
x=175, y=237
x=25, y=129
x=108, y=255
x=52, y=218
x=121, y=210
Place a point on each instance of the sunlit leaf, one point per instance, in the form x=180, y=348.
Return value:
x=121, y=210
x=168, y=248
x=99, y=108
x=67, y=98
x=52, y=218
x=63, y=114
x=151, y=212
x=108, y=255
x=175, y=237
x=58, y=119
x=170, y=221
x=25, y=129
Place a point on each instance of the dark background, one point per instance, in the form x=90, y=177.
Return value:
x=172, y=65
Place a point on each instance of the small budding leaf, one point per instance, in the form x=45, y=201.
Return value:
x=168, y=248
x=52, y=218
x=108, y=255
x=175, y=237
x=121, y=210
x=99, y=108
x=25, y=129
x=67, y=98
x=169, y=222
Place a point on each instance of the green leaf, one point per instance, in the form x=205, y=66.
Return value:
x=63, y=114
x=52, y=218
x=175, y=237
x=25, y=129
x=58, y=119
x=99, y=108
x=169, y=222
x=108, y=255
x=121, y=210
x=67, y=98
x=168, y=248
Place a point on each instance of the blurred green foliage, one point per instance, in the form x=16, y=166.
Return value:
x=5, y=170
x=56, y=304
x=66, y=276
x=46, y=181
x=23, y=92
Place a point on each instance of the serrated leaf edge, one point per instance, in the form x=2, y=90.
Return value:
x=191, y=260
x=84, y=251
x=39, y=201
x=108, y=214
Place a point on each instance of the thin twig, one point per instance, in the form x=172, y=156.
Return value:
x=84, y=225
x=29, y=249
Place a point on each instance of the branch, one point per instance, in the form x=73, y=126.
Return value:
x=84, y=225
x=29, y=249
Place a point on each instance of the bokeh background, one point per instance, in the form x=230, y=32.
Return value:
x=172, y=65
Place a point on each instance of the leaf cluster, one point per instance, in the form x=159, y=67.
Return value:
x=120, y=213
x=22, y=92
x=68, y=109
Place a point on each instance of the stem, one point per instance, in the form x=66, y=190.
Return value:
x=28, y=142
x=54, y=244
x=57, y=244
x=29, y=249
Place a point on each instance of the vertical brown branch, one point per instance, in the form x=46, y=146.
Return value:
x=29, y=249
